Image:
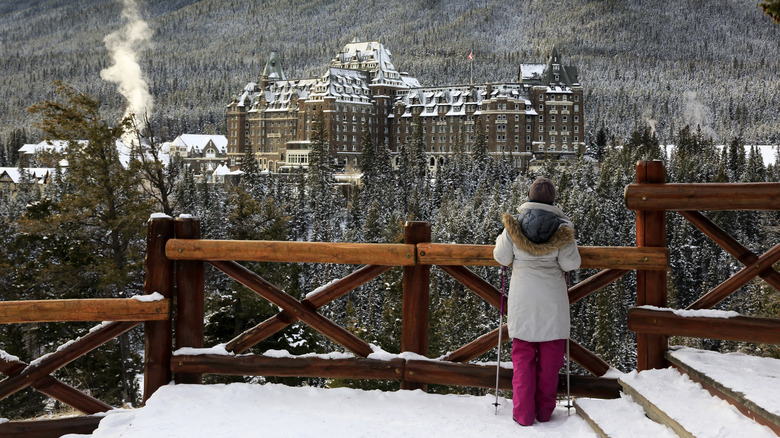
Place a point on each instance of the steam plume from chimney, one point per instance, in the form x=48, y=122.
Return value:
x=126, y=72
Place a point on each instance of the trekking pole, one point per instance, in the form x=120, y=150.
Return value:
x=568, y=362
x=500, y=330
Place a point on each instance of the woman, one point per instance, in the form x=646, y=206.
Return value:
x=540, y=245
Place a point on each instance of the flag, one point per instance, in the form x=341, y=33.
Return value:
x=471, y=55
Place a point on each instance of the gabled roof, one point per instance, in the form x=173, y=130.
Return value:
x=14, y=175
x=273, y=68
x=46, y=146
x=195, y=143
x=553, y=72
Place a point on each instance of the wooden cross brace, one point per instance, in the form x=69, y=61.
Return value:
x=587, y=359
x=321, y=297
x=305, y=311
x=754, y=265
x=57, y=390
x=21, y=375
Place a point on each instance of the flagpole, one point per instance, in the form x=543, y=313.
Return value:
x=471, y=67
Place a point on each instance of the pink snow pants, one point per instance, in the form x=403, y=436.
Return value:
x=535, y=379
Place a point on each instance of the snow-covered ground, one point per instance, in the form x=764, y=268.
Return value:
x=273, y=410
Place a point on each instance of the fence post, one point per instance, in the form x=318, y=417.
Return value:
x=651, y=285
x=190, y=275
x=416, y=302
x=158, y=278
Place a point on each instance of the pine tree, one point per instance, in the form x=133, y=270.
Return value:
x=600, y=145
x=148, y=160
x=735, y=159
x=320, y=185
x=17, y=140
x=105, y=213
x=772, y=9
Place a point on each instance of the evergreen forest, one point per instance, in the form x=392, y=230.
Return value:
x=699, y=75
x=85, y=237
x=665, y=63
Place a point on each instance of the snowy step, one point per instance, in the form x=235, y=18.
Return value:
x=620, y=417
x=673, y=399
x=748, y=382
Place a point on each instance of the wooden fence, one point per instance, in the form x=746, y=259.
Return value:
x=651, y=198
x=175, y=263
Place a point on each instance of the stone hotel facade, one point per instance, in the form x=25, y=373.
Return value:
x=540, y=115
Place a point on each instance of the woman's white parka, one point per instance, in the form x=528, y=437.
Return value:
x=538, y=302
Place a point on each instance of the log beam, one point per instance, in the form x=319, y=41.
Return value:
x=88, y=309
x=651, y=285
x=750, y=271
x=702, y=196
x=299, y=252
x=57, y=390
x=305, y=313
x=415, y=303
x=65, y=355
x=55, y=428
x=190, y=297
x=731, y=245
x=474, y=282
x=414, y=371
x=479, y=346
x=594, y=283
x=740, y=328
x=593, y=257
x=159, y=278
x=253, y=365
x=587, y=359
x=317, y=299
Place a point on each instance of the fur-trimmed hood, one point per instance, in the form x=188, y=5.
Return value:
x=562, y=236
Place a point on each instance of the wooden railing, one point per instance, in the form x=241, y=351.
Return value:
x=175, y=263
x=416, y=255
x=651, y=197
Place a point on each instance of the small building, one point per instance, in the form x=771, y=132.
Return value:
x=47, y=152
x=11, y=177
x=201, y=153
